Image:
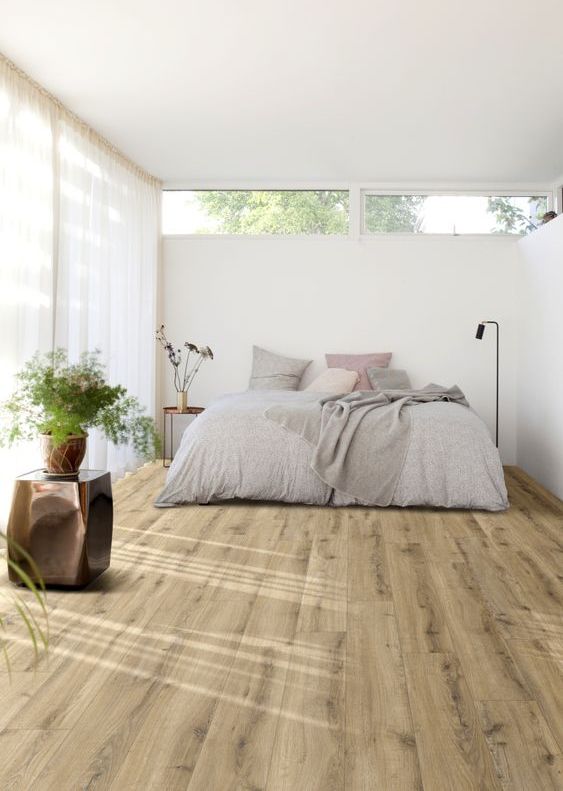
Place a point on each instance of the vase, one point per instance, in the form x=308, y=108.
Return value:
x=65, y=459
x=182, y=400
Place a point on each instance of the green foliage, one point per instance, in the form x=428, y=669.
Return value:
x=510, y=218
x=275, y=212
x=327, y=212
x=55, y=397
x=393, y=213
x=19, y=561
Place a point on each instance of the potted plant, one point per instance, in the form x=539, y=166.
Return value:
x=184, y=374
x=60, y=401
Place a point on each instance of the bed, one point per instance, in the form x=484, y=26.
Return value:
x=237, y=450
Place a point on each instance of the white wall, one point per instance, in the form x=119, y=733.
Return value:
x=419, y=297
x=540, y=369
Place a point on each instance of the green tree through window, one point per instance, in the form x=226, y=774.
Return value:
x=274, y=212
x=510, y=218
x=326, y=212
x=393, y=213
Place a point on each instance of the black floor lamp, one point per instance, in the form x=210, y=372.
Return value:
x=479, y=336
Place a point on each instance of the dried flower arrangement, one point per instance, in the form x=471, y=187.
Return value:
x=179, y=358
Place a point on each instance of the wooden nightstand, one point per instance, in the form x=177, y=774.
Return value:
x=172, y=411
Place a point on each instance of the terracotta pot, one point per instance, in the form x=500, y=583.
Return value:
x=182, y=400
x=66, y=458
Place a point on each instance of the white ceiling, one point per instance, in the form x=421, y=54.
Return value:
x=277, y=90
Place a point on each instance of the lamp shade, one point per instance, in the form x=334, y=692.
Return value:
x=480, y=331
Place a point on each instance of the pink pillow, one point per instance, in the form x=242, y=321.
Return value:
x=359, y=363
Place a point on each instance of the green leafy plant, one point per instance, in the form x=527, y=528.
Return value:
x=55, y=397
x=37, y=628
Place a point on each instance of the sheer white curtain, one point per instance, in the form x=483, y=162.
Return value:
x=108, y=236
x=26, y=245
x=79, y=236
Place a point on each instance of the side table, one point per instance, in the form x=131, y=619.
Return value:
x=64, y=523
x=171, y=411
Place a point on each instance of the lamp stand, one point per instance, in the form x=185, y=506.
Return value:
x=479, y=335
x=496, y=418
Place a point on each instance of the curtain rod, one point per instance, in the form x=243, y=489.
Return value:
x=95, y=136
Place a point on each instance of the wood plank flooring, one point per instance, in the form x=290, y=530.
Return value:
x=259, y=647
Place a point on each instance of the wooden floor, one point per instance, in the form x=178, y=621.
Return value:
x=298, y=648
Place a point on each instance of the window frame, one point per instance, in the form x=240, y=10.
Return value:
x=356, y=194
x=532, y=190
x=244, y=187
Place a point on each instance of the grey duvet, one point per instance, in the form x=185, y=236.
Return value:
x=233, y=451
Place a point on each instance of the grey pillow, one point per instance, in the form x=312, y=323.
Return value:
x=273, y=372
x=389, y=379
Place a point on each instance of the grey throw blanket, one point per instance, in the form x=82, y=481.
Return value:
x=360, y=440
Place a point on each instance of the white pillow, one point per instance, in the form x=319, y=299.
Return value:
x=334, y=380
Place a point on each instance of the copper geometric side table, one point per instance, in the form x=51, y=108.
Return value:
x=65, y=524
